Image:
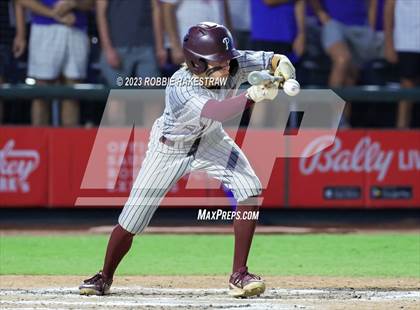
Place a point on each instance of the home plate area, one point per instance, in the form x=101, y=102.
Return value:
x=171, y=298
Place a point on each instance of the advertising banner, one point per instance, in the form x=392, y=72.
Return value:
x=23, y=166
x=361, y=169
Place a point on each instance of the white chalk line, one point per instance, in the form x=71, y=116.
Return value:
x=123, y=291
x=136, y=296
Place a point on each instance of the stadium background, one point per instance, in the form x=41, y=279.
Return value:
x=41, y=169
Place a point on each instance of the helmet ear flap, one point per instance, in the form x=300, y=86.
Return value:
x=199, y=66
x=202, y=64
x=233, y=67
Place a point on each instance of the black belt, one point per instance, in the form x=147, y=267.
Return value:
x=193, y=149
x=166, y=141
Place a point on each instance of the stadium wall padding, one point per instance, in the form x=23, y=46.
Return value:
x=46, y=167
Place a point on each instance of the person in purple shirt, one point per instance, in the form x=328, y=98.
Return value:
x=58, y=51
x=279, y=26
x=348, y=38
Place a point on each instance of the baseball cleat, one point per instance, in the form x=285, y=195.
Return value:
x=95, y=286
x=243, y=284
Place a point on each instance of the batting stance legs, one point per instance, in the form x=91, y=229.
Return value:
x=163, y=166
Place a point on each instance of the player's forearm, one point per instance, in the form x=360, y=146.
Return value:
x=319, y=10
x=37, y=7
x=102, y=24
x=389, y=20
x=300, y=16
x=275, y=2
x=20, y=20
x=372, y=13
x=224, y=110
x=158, y=26
x=171, y=25
x=85, y=5
x=227, y=16
x=316, y=6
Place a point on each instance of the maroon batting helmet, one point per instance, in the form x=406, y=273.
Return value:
x=208, y=42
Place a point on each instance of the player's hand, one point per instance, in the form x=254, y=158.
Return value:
x=69, y=19
x=161, y=56
x=390, y=54
x=323, y=17
x=19, y=46
x=262, y=92
x=177, y=56
x=285, y=69
x=62, y=7
x=299, y=44
x=112, y=58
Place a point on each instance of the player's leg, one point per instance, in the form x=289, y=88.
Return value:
x=116, y=113
x=221, y=158
x=46, y=56
x=74, y=71
x=241, y=282
x=70, y=109
x=145, y=67
x=159, y=172
x=334, y=44
x=40, y=110
x=408, y=64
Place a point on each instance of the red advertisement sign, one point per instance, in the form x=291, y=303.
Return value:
x=361, y=168
x=52, y=167
x=23, y=166
x=398, y=181
x=98, y=170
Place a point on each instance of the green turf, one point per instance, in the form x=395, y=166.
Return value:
x=325, y=255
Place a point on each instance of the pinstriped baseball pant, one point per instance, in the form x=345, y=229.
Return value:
x=163, y=166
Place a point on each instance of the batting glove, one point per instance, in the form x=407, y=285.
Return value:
x=285, y=69
x=262, y=92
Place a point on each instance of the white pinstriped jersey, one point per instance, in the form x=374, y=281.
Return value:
x=217, y=154
x=183, y=104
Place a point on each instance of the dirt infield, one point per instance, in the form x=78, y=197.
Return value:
x=209, y=292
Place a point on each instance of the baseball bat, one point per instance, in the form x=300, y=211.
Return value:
x=262, y=77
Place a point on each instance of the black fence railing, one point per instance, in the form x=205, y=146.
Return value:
x=96, y=92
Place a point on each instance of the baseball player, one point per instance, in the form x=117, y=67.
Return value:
x=189, y=136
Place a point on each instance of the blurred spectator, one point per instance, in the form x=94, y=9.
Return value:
x=268, y=34
x=402, y=42
x=314, y=66
x=240, y=15
x=161, y=45
x=312, y=32
x=126, y=35
x=180, y=15
x=347, y=38
x=12, y=41
x=167, y=67
x=377, y=71
x=58, y=48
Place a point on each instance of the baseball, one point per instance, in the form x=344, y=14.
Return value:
x=291, y=87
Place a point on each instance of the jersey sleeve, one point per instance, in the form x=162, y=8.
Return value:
x=253, y=61
x=186, y=105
